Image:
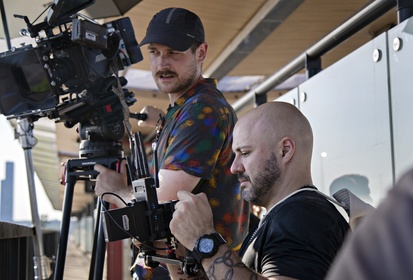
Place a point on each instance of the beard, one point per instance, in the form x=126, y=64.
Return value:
x=184, y=81
x=262, y=184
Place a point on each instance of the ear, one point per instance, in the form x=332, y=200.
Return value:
x=288, y=149
x=202, y=52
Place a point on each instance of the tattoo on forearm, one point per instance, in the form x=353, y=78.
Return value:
x=231, y=266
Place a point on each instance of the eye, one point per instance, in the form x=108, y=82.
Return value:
x=152, y=51
x=244, y=154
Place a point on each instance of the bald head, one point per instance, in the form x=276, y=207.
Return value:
x=277, y=119
x=273, y=146
x=271, y=122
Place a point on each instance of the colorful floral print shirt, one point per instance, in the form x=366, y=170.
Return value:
x=197, y=137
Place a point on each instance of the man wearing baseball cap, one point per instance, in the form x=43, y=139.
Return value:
x=194, y=135
x=176, y=28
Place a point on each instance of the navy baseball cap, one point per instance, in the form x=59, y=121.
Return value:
x=176, y=28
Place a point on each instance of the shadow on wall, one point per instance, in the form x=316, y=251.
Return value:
x=357, y=184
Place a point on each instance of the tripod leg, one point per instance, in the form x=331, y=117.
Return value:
x=99, y=247
x=95, y=240
x=64, y=229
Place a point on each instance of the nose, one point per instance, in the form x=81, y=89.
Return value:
x=163, y=62
x=236, y=166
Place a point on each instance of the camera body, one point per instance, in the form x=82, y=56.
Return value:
x=143, y=219
x=74, y=65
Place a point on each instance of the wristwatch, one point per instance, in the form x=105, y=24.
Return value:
x=206, y=246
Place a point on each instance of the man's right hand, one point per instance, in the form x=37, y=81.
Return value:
x=192, y=218
x=109, y=180
x=152, y=113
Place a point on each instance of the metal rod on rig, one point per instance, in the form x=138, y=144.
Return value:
x=131, y=169
x=155, y=160
x=133, y=159
x=144, y=160
x=138, y=156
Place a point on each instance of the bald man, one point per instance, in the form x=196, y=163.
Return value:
x=301, y=233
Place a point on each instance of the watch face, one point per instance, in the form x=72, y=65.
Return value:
x=206, y=245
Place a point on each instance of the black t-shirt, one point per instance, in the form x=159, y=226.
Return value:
x=298, y=238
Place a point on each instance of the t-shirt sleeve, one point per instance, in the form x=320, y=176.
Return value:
x=196, y=141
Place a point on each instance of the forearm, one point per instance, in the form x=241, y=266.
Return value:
x=126, y=193
x=118, y=196
x=226, y=264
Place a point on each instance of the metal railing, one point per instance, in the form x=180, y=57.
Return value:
x=365, y=16
x=16, y=250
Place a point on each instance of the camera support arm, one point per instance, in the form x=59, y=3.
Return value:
x=189, y=266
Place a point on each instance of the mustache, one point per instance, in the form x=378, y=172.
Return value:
x=243, y=177
x=164, y=73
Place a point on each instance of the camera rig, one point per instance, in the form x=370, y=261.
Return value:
x=145, y=219
x=71, y=76
x=72, y=68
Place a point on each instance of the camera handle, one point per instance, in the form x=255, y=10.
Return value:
x=82, y=169
x=189, y=265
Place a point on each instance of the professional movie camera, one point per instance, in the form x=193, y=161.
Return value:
x=69, y=75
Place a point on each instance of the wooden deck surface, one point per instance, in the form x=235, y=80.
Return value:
x=77, y=263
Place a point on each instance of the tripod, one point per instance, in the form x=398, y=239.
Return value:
x=153, y=216
x=77, y=169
